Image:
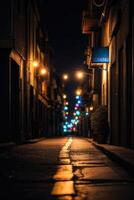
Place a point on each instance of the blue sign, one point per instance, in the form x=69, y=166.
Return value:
x=100, y=55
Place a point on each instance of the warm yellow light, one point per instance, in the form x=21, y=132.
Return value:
x=64, y=96
x=78, y=92
x=91, y=108
x=65, y=76
x=35, y=64
x=43, y=71
x=79, y=74
x=87, y=109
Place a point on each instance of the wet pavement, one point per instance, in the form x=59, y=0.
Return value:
x=67, y=168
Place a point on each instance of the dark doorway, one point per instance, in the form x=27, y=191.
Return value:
x=15, y=74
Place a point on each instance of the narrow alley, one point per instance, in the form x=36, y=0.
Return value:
x=62, y=168
x=67, y=100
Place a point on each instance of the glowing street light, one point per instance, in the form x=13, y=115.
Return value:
x=43, y=71
x=64, y=96
x=79, y=74
x=35, y=64
x=78, y=112
x=78, y=92
x=91, y=108
x=79, y=102
x=65, y=76
x=66, y=103
x=65, y=108
x=77, y=97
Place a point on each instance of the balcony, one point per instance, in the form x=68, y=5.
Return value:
x=89, y=23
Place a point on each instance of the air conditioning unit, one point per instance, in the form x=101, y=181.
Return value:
x=98, y=3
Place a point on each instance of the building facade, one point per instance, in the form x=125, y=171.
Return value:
x=25, y=73
x=110, y=24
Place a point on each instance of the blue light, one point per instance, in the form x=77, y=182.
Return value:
x=79, y=102
x=77, y=97
x=72, y=120
x=100, y=55
x=71, y=125
x=77, y=112
x=65, y=108
x=76, y=122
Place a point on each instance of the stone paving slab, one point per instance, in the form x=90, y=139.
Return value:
x=97, y=173
x=122, y=155
x=104, y=192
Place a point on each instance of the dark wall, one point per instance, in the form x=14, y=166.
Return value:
x=5, y=19
x=4, y=99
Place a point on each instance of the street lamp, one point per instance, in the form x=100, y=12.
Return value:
x=43, y=71
x=64, y=96
x=78, y=92
x=80, y=74
x=91, y=108
x=66, y=103
x=35, y=64
x=65, y=76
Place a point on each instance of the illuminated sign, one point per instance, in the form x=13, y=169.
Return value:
x=100, y=55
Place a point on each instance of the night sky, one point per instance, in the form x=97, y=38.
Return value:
x=61, y=19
